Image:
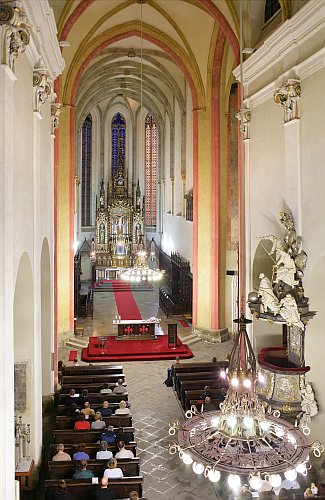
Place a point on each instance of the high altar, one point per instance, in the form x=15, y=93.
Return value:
x=119, y=224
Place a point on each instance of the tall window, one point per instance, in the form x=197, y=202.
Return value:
x=271, y=8
x=151, y=171
x=118, y=143
x=86, y=140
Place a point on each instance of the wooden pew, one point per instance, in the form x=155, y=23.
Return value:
x=202, y=375
x=92, y=448
x=78, y=387
x=83, y=489
x=197, y=367
x=63, y=422
x=82, y=380
x=217, y=396
x=65, y=470
x=93, y=369
x=98, y=398
x=75, y=437
x=62, y=409
x=197, y=385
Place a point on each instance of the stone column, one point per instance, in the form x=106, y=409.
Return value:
x=288, y=97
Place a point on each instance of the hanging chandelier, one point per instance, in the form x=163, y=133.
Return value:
x=245, y=439
x=141, y=271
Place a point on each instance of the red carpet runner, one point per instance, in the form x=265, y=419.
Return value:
x=134, y=350
x=125, y=303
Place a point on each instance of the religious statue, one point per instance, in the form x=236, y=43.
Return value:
x=102, y=233
x=268, y=298
x=308, y=403
x=285, y=267
x=289, y=311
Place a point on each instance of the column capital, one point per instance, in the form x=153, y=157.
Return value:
x=42, y=87
x=245, y=126
x=14, y=31
x=288, y=96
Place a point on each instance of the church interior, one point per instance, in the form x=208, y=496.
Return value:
x=162, y=175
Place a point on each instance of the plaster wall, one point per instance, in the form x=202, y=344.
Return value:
x=177, y=236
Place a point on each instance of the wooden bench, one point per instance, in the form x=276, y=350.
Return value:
x=197, y=367
x=93, y=369
x=83, y=489
x=74, y=437
x=191, y=397
x=98, y=398
x=84, y=380
x=195, y=385
x=65, y=470
x=62, y=409
x=63, y=422
x=92, y=448
x=203, y=376
x=79, y=387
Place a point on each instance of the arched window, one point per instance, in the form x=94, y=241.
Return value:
x=86, y=153
x=151, y=171
x=118, y=143
x=271, y=8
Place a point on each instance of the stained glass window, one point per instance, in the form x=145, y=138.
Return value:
x=271, y=8
x=86, y=152
x=151, y=171
x=118, y=143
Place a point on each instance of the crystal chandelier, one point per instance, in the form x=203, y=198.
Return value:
x=245, y=439
x=141, y=271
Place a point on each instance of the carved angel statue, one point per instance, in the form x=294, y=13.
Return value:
x=269, y=300
x=285, y=268
x=289, y=312
x=308, y=403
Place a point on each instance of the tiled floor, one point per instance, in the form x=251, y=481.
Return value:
x=154, y=404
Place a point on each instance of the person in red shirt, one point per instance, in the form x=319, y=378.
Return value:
x=81, y=424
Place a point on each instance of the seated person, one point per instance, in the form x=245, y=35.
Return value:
x=120, y=436
x=72, y=399
x=106, y=389
x=113, y=471
x=104, y=493
x=134, y=495
x=108, y=435
x=120, y=388
x=62, y=492
x=83, y=473
x=208, y=405
x=80, y=454
x=206, y=392
x=84, y=397
x=104, y=453
x=98, y=423
x=81, y=424
x=61, y=455
x=122, y=452
x=87, y=411
x=73, y=410
x=122, y=410
x=106, y=411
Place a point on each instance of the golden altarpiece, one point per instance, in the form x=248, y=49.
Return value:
x=119, y=225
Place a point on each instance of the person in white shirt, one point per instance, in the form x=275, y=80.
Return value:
x=120, y=388
x=122, y=410
x=113, y=471
x=104, y=452
x=98, y=423
x=123, y=453
x=106, y=389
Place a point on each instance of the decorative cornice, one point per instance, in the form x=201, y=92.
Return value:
x=42, y=87
x=14, y=32
x=288, y=96
x=55, y=113
x=261, y=66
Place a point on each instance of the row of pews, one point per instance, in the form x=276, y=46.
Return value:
x=92, y=378
x=190, y=380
